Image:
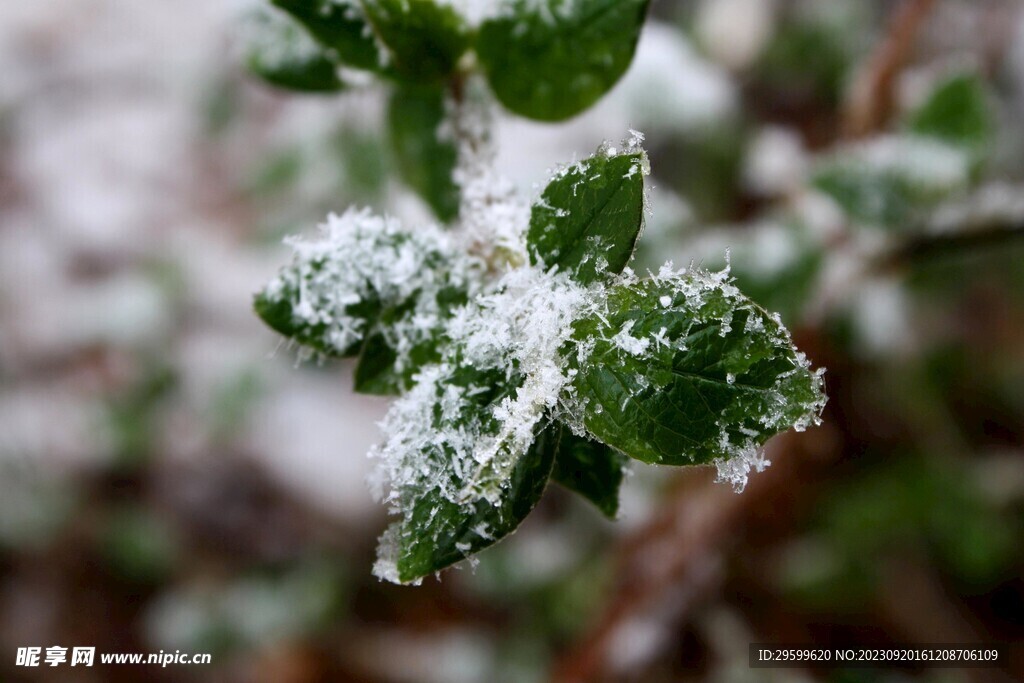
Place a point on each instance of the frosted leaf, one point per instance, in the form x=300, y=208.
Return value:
x=368, y=276
x=590, y=215
x=708, y=384
x=467, y=432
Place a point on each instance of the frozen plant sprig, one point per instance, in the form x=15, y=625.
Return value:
x=520, y=346
x=559, y=364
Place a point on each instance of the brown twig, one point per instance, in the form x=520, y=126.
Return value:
x=667, y=567
x=649, y=563
x=871, y=98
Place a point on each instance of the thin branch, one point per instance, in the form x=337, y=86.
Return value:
x=663, y=554
x=663, y=569
x=924, y=247
x=872, y=96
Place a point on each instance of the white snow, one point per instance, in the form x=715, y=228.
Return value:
x=776, y=162
x=736, y=469
x=735, y=32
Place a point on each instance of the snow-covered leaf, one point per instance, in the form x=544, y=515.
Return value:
x=956, y=112
x=551, y=59
x=422, y=40
x=436, y=531
x=281, y=53
x=589, y=468
x=339, y=25
x=425, y=161
x=462, y=462
x=590, y=215
x=369, y=287
x=681, y=369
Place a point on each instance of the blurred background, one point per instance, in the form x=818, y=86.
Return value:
x=171, y=479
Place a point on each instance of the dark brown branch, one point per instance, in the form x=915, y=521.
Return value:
x=925, y=247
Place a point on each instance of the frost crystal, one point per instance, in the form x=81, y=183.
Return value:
x=629, y=343
x=736, y=469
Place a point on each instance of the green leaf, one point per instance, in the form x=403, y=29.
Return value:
x=282, y=54
x=551, y=59
x=339, y=25
x=684, y=370
x=375, y=373
x=957, y=112
x=422, y=39
x=382, y=369
x=439, y=533
x=589, y=468
x=589, y=217
x=424, y=160
x=471, y=481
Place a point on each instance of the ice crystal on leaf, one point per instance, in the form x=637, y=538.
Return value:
x=736, y=469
